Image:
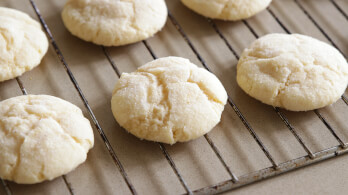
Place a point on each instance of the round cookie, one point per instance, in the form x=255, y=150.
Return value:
x=168, y=100
x=227, y=9
x=114, y=22
x=22, y=43
x=41, y=137
x=295, y=72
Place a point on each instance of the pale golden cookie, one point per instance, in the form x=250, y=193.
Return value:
x=41, y=137
x=168, y=100
x=227, y=9
x=114, y=22
x=22, y=43
x=295, y=72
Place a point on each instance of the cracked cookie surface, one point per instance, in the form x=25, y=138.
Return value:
x=114, y=22
x=227, y=9
x=168, y=100
x=22, y=43
x=295, y=72
x=41, y=137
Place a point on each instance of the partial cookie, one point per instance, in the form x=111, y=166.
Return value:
x=168, y=100
x=295, y=72
x=41, y=137
x=227, y=9
x=114, y=22
x=22, y=43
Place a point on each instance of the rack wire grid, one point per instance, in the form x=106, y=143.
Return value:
x=233, y=181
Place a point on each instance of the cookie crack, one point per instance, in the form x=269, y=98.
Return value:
x=165, y=102
x=223, y=10
x=6, y=40
x=119, y=89
x=204, y=90
x=40, y=117
x=165, y=97
x=41, y=175
x=18, y=161
x=133, y=20
x=329, y=68
x=73, y=138
x=282, y=88
x=2, y=127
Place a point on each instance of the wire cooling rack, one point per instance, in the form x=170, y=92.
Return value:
x=234, y=181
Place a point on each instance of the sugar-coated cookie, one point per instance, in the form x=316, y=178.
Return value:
x=114, y=22
x=22, y=43
x=41, y=137
x=227, y=9
x=295, y=72
x=168, y=100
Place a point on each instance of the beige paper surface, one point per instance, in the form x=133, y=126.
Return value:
x=143, y=161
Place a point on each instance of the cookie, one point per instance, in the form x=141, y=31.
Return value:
x=114, y=22
x=22, y=43
x=227, y=9
x=168, y=100
x=41, y=137
x=295, y=72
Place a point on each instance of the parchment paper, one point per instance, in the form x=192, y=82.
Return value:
x=143, y=161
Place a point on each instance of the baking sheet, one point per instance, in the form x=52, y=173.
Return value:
x=143, y=161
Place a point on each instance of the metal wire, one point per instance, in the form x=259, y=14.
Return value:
x=218, y=154
x=150, y=50
x=77, y=87
x=280, y=114
x=327, y=124
x=339, y=9
x=6, y=187
x=217, y=30
x=233, y=105
x=113, y=65
x=172, y=164
x=250, y=28
x=270, y=172
x=278, y=21
x=316, y=111
x=71, y=191
x=293, y=131
x=162, y=147
x=21, y=86
x=24, y=91
x=344, y=98
x=235, y=182
x=290, y=165
x=318, y=26
x=206, y=136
